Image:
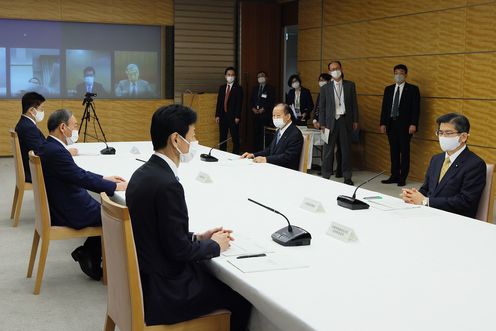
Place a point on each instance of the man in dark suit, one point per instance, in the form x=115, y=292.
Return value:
x=338, y=113
x=67, y=185
x=228, y=110
x=456, y=178
x=399, y=119
x=262, y=102
x=175, y=285
x=285, y=149
x=89, y=85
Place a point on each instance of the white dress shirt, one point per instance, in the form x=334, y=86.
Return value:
x=402, y=85
x=32, y=120
x=338, y=96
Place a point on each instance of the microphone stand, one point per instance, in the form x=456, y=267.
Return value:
x=352, y=202
x=89, y=108
x=208, y=157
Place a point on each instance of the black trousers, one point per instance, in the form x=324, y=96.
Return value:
x=399, y=149
x=342, y=137
x=260, y=121
x=228, y=124
x=93, y=246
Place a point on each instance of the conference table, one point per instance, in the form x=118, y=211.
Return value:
x=408, y=269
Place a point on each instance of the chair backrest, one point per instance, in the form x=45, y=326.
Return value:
x=16, y=152
x=304, y=153
x=485, y=209
x=42, y=210
x=124, y=295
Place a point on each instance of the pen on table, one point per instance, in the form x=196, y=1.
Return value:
x=248, y=256
x=141, y=160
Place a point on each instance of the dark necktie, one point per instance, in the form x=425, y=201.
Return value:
x=395, y=112
x=278, y=136
x=226, y=97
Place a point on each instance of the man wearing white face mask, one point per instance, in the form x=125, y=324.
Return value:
x=455, y=178
x=176, y=287
x=67, y=185
x=89, y=85
x=285, y=149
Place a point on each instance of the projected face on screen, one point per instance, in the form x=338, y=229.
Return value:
x=35, y=70
x=3, y=73
x=136, y=73
x=88, y=71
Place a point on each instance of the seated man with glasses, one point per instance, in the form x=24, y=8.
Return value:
x=456, y=178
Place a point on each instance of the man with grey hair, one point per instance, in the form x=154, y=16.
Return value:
x=66, y=187
x=133, y=87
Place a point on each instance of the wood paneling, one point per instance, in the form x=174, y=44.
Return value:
x=309, y=44
x=309, y=14
x=207, y=131
x=309, y=73
x=449, y=48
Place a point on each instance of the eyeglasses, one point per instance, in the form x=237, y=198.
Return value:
x=448, y=133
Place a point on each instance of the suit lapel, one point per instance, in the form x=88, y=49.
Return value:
x=452, y=170
x=283, y=137
x=405, y=91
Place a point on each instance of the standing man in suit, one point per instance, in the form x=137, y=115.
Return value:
x=399, y=119
x=338, y=113
x=133, y=87
x=175, y=285
x=455, y=178
x=262, y=102
x=67, y=185
x=228, y=110
x=299, y=100
x=285, y=149
x=89, y=85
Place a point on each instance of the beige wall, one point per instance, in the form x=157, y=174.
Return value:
x=449, y=47
x=123, y=119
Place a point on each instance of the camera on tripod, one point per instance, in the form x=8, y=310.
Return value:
x=88, y=98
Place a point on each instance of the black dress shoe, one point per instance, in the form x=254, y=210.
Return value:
x=390, y=180
x=401, y=183
x=88, y=266
x=339, y=174
x=348, y=181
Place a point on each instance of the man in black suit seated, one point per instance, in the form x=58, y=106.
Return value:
x=29, y=135
x=456, y=178
x=66, y=187
x=89, y=85
x=262, y=102
x=175, y=285
x=285, y=149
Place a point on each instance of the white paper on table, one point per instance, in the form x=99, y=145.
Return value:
x=390, y=204
x=245, y=246
x=324, y=135
x=237, y=162
x=267, y=263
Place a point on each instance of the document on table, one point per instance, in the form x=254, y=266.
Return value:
x=324, y=135
x=245, y=246
x=236, y=162
x=267, y=263
x=390, y=204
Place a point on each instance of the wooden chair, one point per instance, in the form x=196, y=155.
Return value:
x=486, y=203
x=43, y=228
x=21, y=184
x=124, y=295
x=304, y=154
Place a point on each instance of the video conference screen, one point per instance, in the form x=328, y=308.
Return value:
x=67, y=60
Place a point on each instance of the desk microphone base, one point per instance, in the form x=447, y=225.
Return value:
x=351, y=203
x=297, y=237
x=208, y=158
x=108, y=151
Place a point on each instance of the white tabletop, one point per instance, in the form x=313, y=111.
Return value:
x=416, y=269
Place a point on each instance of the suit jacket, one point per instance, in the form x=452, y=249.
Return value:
x=288, y=151
x=409, y=109
x=30, y=139
x=316, y=109
x=306, y=101
x=97, y=88
x=327, y=106
x=171, y=278
x=234, y=103
x=144, y=89
x=266, y=102
x=67, y=185
x=460, y=189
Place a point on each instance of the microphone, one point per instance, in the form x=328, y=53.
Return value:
x=107, y=150
x=208, y=157
x=290, y=235
x=353, y=203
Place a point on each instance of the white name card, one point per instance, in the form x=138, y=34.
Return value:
x=204, y=178
x=341, y=232
x=135, y=150
x=311, y=205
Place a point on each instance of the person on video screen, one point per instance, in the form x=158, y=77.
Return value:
x=89, y=85
x=133, y=87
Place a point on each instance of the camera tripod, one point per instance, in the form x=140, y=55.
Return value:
x=89, y=112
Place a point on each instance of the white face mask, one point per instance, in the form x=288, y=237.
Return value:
x=449, y=144
x=89, y=80
x=278, y=122
x=295, y=85
x=73, y=138
x=261, y=80
x=322, y=83
x=38, y=115
x=399, y=79
x=230, y=79
x=335, y=74
x=193, y=148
